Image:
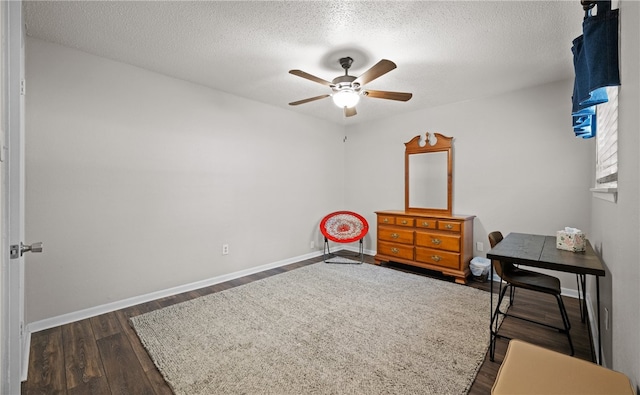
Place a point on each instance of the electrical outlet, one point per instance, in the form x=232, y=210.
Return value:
x=606, y=319
x=312, y=245
x=225, y=249
x=479, y=246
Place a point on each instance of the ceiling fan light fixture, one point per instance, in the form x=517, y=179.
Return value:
x=346, y=98
x=347, y=89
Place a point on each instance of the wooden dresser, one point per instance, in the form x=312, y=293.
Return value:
x=438, y=242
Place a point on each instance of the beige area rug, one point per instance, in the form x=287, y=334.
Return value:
x=323, y=329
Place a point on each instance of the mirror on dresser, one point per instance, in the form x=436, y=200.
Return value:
x=428, y=174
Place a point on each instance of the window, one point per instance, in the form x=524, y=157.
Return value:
x=607, y=143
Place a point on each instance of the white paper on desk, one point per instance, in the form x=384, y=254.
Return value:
x=572, y=230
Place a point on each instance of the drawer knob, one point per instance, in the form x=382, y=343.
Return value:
x=436, y=258
x=386, y=220
x=394, y=235
x=395, y=250
x=425, y=224
x=404, y=222
x=436, y=241
x=449, y=226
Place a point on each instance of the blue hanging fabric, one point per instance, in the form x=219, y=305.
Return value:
x=584, y=122
x=595, y=61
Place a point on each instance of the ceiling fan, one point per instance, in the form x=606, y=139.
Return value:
x=347, y=89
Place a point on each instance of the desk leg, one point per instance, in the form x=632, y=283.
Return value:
x=493, y=329
x=582, y=300
x=598, y=313
x=491, y=339
x=582, y=296
x=583, y=278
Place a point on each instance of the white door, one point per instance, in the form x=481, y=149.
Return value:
x=14, y=342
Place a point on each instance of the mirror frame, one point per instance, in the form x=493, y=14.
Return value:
x=443, y=143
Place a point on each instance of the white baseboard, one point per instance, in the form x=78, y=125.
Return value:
x=109, y=307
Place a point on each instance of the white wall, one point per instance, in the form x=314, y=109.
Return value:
x=135, y=180
x=617, y=225
x=517, y=165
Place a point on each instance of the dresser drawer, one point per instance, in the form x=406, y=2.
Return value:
x=438, y=257
x=426, y=223
x=403, y=221
x=397, y=250
x=450, y=226
x=392, y=220
x=440, y=241
x=386, y=220
x=395, y=235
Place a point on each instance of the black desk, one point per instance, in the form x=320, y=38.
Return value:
x=540, y=251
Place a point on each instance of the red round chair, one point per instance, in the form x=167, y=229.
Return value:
x=343, y=227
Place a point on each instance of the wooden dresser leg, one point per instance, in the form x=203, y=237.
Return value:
x=461, y=280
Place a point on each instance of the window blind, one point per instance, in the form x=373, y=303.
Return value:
x=607, y=141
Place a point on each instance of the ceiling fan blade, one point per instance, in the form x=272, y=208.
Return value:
x=382, y=67
x=400, y=96
x=310, y=77
x=295, y=103
x=349, y=111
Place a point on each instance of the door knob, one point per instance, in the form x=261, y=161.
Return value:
x=34, y=247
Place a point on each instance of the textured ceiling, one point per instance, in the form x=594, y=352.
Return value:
x=446, y=51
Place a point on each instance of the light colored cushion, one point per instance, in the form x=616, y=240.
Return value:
x=532, y=370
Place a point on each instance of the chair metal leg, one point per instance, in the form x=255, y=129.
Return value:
x=501, y=298
x=493, y=331
x=565, y=321
x=326, y=252
x=512, y=293
x=494, y=320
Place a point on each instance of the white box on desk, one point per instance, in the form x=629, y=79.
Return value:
x=570, y=241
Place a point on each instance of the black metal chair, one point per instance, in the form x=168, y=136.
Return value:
x=516, y=277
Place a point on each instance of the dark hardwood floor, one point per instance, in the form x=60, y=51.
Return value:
x=102, y=355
